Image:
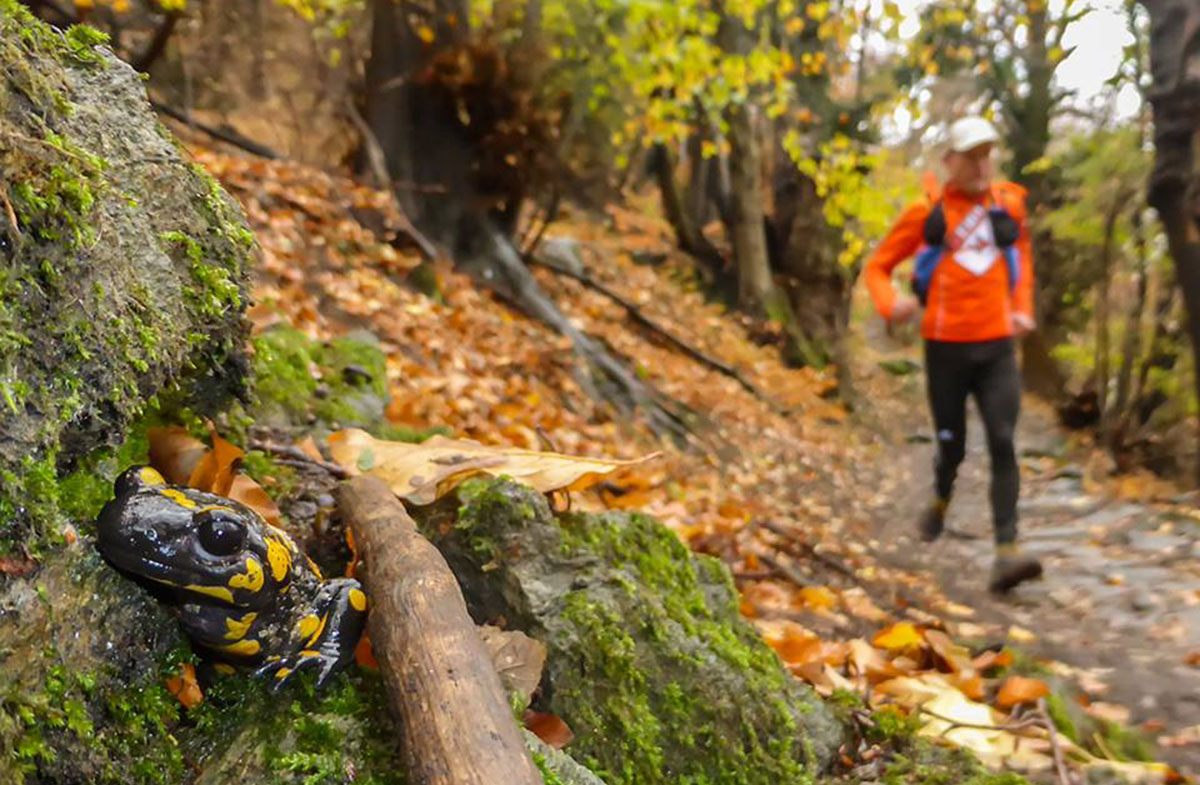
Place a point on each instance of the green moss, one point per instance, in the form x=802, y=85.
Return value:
x=300, y=736
x=633, y=642
x=924, y=764
x=342, y=383
x=549, y=777
x=891, y=725
x=1056, y=707
x=126, y=734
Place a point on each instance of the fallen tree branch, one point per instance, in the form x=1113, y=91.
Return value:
x=1060, y=767
x=229, y=137
x=297, y=455
x=653, y=327
x=456, y=725
x=496, y=264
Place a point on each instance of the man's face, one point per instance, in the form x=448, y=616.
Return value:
x=971, y=171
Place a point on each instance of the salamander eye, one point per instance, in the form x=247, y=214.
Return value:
x=220, y=533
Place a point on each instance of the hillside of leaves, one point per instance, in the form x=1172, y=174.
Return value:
x=771, y=482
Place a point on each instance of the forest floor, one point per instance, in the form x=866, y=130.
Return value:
x=1120, y=600
x=810, y=505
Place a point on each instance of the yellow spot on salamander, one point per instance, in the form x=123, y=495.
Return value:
x=320, y=629
x=236, y=629
x=280, y=559
x=251, y=579
x=178, y=497
x=243, y=648
x=224, y=668
x=211, y=507
x=358, y=600
x=312, y=565
x=308, y=625
x=150, y=476
x=310, y=653
x=282, y=673
x=220, y=592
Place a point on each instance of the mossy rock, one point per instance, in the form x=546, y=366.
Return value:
x=124, y=266
x=649, y=660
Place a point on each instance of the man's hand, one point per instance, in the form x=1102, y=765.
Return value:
x=1023, y=324
x=904, y=309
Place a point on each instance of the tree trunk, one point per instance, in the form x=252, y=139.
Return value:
x=1175, y=183
x=1102, y=314
x=687, y=233
x=1132, y=346
x=756, y=287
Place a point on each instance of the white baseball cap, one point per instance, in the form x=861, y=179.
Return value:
x=968, y=133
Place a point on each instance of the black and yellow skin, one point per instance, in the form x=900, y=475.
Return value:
x=240, y=587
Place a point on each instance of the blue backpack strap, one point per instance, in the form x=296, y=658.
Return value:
x=928, y=258
x=1012, y=255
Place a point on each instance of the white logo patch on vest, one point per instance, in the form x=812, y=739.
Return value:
x=973, y=244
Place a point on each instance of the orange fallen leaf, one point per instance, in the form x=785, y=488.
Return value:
x=1019, y=689
x=174, y=452
x=185, y=688
x=550, y=728
x=251, y=494
x=969, y=683
x=309, y=448
x=364, y=655
x=1193, y=659
x=215, y=470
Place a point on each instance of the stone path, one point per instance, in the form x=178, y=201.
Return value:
x=1122, y=585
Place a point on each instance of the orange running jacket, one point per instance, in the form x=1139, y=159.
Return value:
x=970, y=296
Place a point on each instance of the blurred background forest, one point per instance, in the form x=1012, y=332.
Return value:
x=778, y=137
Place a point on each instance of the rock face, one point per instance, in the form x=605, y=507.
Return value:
x=123, y=265
x=649, y=662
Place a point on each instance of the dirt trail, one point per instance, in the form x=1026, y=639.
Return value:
x=1121, y=593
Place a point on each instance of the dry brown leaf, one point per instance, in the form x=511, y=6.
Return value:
x=550, y=728
x=1110, y=712
x=956, y=657
x=1019, y=689
x=174, y=453
x=309, y=448
x=421, y=473
x=216, y=469
x=870, y=662
x=518, y=658
x=248, y=492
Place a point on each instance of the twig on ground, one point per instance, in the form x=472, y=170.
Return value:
x=657, y=329
x=292, y=456
x=1019, y=725
x=229, y=137
x=783, y=570
x=1060, y=767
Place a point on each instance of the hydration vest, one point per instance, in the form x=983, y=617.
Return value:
x=1005, y=232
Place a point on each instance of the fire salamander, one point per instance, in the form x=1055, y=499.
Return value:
x=240, y=587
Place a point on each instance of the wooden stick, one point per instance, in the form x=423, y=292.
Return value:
x=456, y=725
x=1059, y=766
x=296, y=456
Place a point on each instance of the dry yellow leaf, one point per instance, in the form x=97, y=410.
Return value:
x=901, y=636
x=817, y=598
x=422, y=473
